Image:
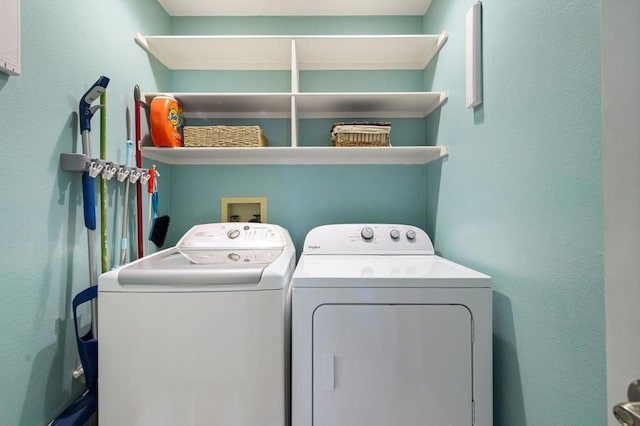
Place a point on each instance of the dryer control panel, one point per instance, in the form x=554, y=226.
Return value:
x=367, y=239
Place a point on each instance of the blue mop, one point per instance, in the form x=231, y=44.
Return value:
x=81, y=410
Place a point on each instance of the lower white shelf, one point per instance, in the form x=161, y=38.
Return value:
x=296, y=155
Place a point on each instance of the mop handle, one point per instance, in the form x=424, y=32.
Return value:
x=103, y=185
x=124, y=241
x=136, y=98
x=89, y=207
x=85, y=112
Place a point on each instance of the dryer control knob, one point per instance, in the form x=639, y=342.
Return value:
x=411, y=235
x=395, y=234
x=366, y=233
x=233, y=234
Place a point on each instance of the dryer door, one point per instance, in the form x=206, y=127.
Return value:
x=380, y=365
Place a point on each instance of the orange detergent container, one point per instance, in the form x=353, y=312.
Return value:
x=166, y=121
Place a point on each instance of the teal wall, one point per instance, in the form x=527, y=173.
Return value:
x=66, y=46
x=300, y=197
x=518, y=198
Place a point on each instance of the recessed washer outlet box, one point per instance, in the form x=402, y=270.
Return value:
x=244, y=209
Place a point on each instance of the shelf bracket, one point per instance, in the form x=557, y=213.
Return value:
x=442, y=40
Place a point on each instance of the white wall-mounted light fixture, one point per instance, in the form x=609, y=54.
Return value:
x=474, y=55
x=10, y=36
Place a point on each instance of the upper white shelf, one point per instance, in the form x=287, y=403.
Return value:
x=294, y=7
x=403, y=155
x=269, y=52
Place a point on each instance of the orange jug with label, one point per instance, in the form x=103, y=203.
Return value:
x=166, y=121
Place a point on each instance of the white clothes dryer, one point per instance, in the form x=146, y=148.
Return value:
x=384, y=332
x=199, y=334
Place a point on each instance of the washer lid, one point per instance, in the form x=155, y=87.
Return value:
x=199, y=267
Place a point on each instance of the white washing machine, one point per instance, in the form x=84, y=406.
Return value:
x=384, y=332
x=199, y=334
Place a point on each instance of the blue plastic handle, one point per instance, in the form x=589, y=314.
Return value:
x=89, y=201
x=87, y=99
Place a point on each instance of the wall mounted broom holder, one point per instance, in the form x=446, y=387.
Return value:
x=105, y=169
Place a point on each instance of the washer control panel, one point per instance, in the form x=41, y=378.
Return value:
x=367, y=239
x=232, y=235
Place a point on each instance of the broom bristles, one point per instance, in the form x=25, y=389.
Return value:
x=159, y=230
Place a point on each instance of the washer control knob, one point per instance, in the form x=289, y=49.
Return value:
x=395, y=234
x=234, y=256
x=411, y=235
x=233, y=234
x=366, y=233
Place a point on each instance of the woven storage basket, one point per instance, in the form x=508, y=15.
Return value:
x=361, y=134
x=224, y=136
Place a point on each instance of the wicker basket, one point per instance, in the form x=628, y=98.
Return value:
x=361, y=134
x=224, y=136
